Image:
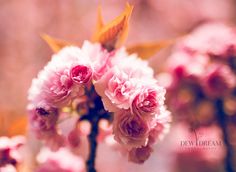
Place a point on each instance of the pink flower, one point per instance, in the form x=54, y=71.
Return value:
x=115, y=88
x=218, y=80
x=148, y=98
x=61, y=161
x=130, y=130
x=121, y=79
x=98, y=57
x=54, y=83
x=81, y=74
x=140, y=155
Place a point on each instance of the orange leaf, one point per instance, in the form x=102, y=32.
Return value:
x=148, y=49
x=55, y=44
x=115, y=32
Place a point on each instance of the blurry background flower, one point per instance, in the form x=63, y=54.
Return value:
x=10, y=153
x=203, y=80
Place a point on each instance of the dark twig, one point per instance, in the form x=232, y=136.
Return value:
x=95, y=114
x=222, y=120
x=92, y=143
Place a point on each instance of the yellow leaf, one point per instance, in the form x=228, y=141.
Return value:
x=113, y=34
x=55, y=44
x=148, y=49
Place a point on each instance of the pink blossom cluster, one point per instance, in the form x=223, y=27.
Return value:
x=202, y=69
x=64, y=79
x=123, y=82
x=129, y=90
x=9, y=153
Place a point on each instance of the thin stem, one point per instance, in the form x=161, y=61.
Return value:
x=92, y=144
x=95, y=114
x=222, y=120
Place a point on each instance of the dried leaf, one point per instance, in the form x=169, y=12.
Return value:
x=115, y=32
x=55, y=44
x=148, y=49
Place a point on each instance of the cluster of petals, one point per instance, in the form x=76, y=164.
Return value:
x=62, y=80
x=202, y=67
x=124, y=82
x=10, y=152
x=129, y=90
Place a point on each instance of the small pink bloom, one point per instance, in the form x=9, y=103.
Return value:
x=130, y=130
x=119, y=90
x=116, y=89
x=140, y=155
x=148, y=99
x=98, y=57
x=54, y=83
x=81, y=74
x=58, y=88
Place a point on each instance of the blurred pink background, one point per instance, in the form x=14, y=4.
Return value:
x=23, y=53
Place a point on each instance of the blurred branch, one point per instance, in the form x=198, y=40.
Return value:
x=222, y=120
